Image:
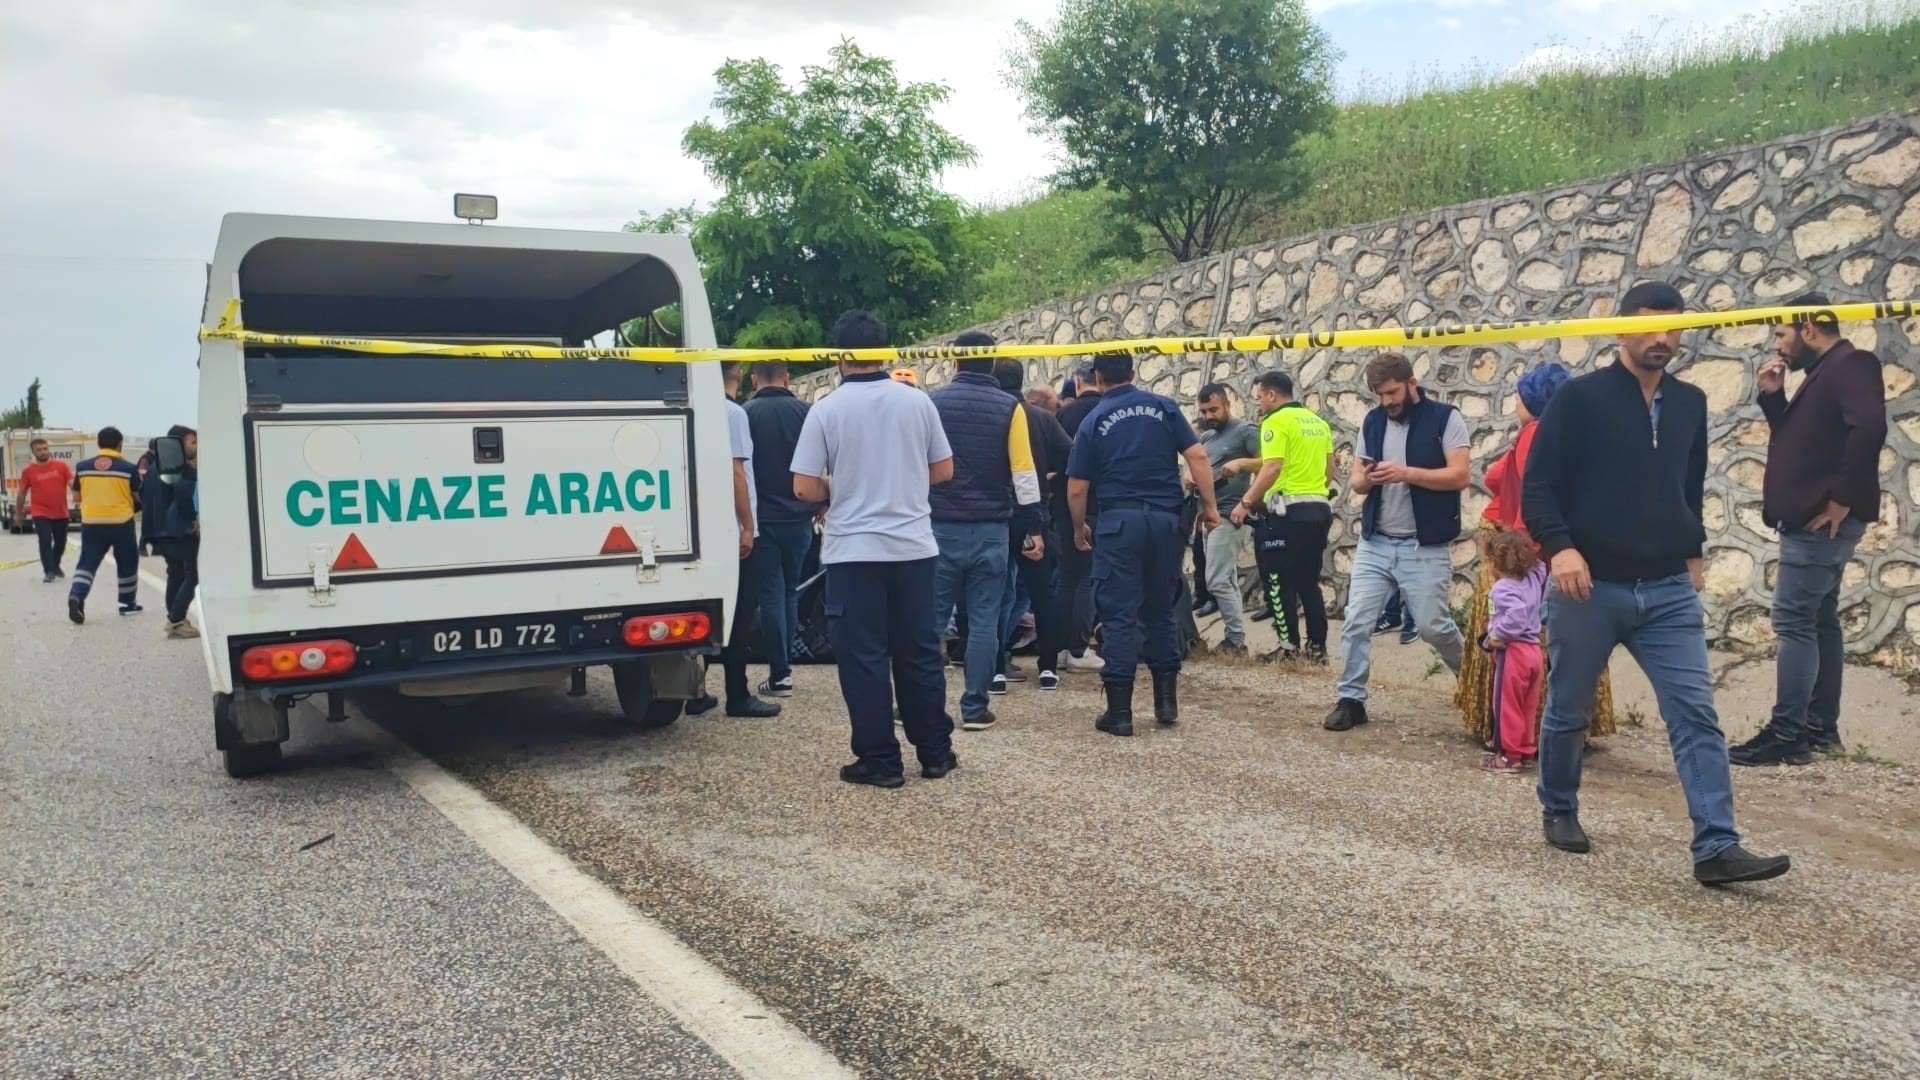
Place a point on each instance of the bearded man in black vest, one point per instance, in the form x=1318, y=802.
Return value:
x=1411, y=464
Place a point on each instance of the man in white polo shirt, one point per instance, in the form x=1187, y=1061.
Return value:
x=871, y=449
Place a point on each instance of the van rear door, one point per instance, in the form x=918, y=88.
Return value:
x=397, y=493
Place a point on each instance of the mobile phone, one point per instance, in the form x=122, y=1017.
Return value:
x=1367, y=462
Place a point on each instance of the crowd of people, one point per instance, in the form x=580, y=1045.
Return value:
x=946, y=522
x=946, y=517
x=125, y=508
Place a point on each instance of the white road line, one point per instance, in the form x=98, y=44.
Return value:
x=752, y=1038
x=747, y=1034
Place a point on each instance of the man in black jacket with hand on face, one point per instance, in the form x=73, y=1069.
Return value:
x=1822, y=490
x=1614, y=490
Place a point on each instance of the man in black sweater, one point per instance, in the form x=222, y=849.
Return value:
x=1822, y=490
x=1614, y=490
x=775, y=417
x=1076, y=566
x=1032, y=559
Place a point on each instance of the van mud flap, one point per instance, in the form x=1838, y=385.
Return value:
x=681, y=677
x=248, y=718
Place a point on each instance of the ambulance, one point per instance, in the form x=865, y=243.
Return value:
x=453, y=526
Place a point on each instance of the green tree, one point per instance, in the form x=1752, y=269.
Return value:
x=27, y=413
x=830, y=200
x=1187, y=110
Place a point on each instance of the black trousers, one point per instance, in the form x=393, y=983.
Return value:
x=182, y=554
x=1076, y=587
x=53, y=542
x=1050, y=607
x=1305, y=527
x=746, y=601
x=1269, y=558
x=887, y=648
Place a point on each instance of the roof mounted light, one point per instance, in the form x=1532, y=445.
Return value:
x=475, y=209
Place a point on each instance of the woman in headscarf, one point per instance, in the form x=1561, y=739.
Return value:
x=1473, y=692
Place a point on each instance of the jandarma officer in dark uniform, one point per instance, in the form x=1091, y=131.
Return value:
x=1126, y=452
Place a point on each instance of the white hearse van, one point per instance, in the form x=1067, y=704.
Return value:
x=453, y=526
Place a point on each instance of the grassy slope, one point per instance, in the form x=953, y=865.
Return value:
x=1478, y=137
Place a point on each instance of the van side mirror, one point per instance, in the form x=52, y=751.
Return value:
x=170, y=455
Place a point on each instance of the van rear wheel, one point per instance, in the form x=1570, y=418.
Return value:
x=633, y=682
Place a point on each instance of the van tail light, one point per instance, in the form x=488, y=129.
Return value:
x=298, y=660
x=654, y=631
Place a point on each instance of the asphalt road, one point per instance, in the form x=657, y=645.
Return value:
x=1242, y=895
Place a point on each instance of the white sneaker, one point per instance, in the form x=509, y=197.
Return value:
x=783, y=688
x=1049, y=681
x=1087, y=661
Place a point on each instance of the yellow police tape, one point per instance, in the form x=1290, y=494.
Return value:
x=1388, y=337
x=14, y=564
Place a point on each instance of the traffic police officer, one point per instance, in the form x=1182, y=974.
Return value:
x=1125, y=453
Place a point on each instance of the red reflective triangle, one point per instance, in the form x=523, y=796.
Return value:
x=618, y=542
x=353, y=556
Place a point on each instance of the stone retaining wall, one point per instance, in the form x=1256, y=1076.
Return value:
x=1837, y=210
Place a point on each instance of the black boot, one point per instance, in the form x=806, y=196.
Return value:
x=1118, y=719
x=1166, y=700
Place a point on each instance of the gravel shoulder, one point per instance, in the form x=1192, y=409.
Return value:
x=1244, y=894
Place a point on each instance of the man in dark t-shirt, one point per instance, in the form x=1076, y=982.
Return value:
x=1233, y=449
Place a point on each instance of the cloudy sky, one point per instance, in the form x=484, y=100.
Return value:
x=129, y=126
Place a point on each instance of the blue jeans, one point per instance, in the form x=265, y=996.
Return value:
x=1011, y=605
x=1806, y=618
x=971, y=569
x=1383, y=566
x=1662, y=625
x=785, y=544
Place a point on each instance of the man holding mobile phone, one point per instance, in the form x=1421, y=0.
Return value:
x=1411, y=464
x=1822, y=490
